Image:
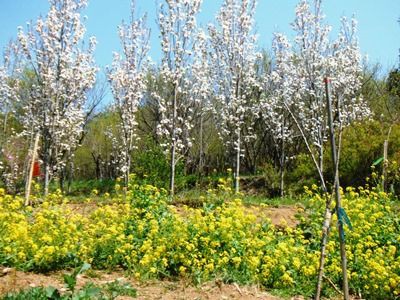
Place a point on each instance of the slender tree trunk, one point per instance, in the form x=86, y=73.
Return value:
x=282, y=162
x=47, y=166
x=30, y=172
x=5, y=123
x=201, y=151
x=70, y=176
x=127, y=168
x=237, y=172
x=385, y=165
x=282, y=171
x=46, y=177
x=316, y=164
x=97, y=162
x=62, y=175
x=46, y=156
x=173, y=145
x=321, y=157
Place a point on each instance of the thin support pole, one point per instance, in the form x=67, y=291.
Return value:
x=337, y=192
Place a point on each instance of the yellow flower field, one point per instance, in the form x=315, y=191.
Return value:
x=150, y=238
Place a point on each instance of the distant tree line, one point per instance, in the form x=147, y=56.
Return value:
x=215, y=101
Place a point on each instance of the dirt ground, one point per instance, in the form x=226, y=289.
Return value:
x=279, y=216
x=12, y=280
x=283, y=215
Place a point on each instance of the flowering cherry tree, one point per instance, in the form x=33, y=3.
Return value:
x=63, y=71
x=233, y=60
x=307, y=65
x=177, y=22
x=299, y=72
x=277, y=90
x=201, y=92
x=9, y=82
x=128, y=84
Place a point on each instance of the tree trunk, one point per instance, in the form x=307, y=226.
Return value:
x=62, y=175
x=127, y=162
x=237, y=172
x=201, y=151
x=282, y=162
x=5, y=123
x=70, y=177
x=97, y=161
x=385, y=165
x=282, y=170
x=46, y=177
x=30, y=172
x=173, y=144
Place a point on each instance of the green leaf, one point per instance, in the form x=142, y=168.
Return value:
x=52, y=292
x=86, y=266
x=92, y=291
x=70, y=281
x=378, y=161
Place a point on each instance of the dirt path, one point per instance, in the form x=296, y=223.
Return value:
x=12, y=280
x=279, y=216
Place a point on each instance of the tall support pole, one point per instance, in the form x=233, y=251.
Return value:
x=30, y=171
x=339, y=209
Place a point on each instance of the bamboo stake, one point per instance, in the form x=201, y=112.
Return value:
x=30, y=173
x=337, y=193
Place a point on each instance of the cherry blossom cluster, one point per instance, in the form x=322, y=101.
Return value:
x=297, y=81
x=63, y=71
x=127, y=77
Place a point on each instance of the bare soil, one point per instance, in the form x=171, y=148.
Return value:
x=280, y=216
x=12, y=280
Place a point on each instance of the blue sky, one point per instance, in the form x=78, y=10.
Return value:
x=379, y=31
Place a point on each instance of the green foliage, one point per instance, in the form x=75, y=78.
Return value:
x=89, y=291
x=70, y=279
x=362, y=145
x=303, y=173
x=117, y=288
x=151, y=166
x=35, y=293
x=393, y=83
x=85, y=187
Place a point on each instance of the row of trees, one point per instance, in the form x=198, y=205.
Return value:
x=215, y=73
x=211, y=82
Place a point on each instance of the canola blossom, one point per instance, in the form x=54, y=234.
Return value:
x=150, y=238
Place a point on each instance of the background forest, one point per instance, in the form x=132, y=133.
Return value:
x=216, y=101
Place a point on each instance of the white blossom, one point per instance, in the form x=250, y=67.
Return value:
x=299, y=72
x=63, y=71
x=128, y=83
x=177, y=22
x=233, y=60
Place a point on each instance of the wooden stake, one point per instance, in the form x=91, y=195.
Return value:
x=30, y=173
x=337, y=193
